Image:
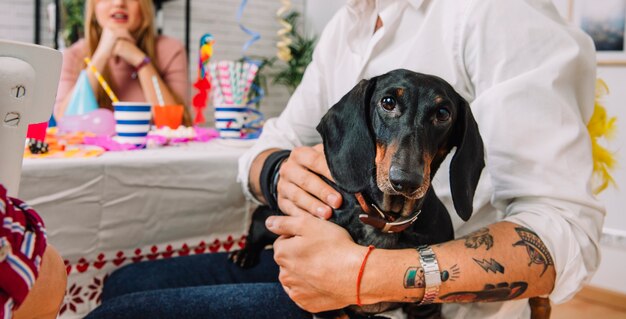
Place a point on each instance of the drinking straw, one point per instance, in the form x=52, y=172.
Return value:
x=241, y=82
x=224, y=81
x=157, y=89
x=251, y=73
x=101, y=80
x=218, y=96
x=232, y=71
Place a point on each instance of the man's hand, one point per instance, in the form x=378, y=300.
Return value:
x=318, y=261
x=301, y=190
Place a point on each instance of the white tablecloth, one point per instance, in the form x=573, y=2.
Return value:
x=105, y=212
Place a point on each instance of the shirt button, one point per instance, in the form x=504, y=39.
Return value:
x=5, y=249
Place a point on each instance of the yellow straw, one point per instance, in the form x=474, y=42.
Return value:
x=101, y=80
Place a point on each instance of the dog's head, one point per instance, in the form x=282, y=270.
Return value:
x=388, y=136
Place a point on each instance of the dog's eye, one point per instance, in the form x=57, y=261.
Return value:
x=443, y=114
x=388, y=103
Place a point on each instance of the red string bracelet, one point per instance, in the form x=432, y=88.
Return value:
x=360, y=276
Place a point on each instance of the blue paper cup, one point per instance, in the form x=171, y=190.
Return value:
x=229, y=120
x=132, y=122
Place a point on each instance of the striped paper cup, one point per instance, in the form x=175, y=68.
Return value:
x=229, y=120
x=132, y=122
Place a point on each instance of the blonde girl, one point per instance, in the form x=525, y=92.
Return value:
x=121, y=41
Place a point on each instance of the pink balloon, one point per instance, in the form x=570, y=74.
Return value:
x=99, y=122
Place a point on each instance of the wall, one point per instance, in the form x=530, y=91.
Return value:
x=610, y=275
x=17, y=21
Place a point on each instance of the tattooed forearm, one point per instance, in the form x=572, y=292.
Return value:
x=537, y=251
x=499, y=292
x=488, y=265
x=414, y=278
x=478, y=238
x=452, y=274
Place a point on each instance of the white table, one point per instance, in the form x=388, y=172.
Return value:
x=122, y=207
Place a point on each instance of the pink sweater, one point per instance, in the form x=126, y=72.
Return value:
x=171, y=61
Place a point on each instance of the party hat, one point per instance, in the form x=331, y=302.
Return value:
x=83, y=99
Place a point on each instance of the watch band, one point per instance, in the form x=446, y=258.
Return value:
x=146, y=60
x=432, y=276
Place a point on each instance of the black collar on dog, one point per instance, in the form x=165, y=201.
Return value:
x=381, y=220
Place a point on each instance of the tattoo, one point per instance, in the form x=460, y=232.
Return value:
x=537, y=251
x=414, y=278
x=452, y=274
x=490, y=265
x=478, y=238
x=499, y=292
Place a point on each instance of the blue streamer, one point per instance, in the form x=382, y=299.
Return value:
x=255, y=35
x=260, y=94
x=254, y=127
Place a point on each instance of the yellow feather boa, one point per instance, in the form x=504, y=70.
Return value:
x=601, y=126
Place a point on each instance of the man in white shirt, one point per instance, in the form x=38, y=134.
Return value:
x=529, y=79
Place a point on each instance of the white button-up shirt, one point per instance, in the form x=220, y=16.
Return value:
x=529, y=78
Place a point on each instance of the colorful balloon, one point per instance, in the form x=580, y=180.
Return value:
x=99, y=122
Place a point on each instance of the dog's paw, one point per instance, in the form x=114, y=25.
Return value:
x=244, y=258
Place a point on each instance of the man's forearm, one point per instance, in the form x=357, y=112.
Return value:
x=501, y=262
x=255, y=174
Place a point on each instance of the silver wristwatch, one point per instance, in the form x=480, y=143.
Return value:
x=432, y=276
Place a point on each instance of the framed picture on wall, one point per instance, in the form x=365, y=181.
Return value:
x=605, y=22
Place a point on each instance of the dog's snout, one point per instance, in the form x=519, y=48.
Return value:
x=403, y=182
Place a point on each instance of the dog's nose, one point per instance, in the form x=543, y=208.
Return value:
x=403, y=182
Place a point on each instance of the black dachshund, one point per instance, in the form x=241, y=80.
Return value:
x=384, y=142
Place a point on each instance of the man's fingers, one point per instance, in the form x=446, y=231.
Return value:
x=287, y=225
x=289, y=208
x=323, y=165
x=297, y=194
x=299, y=169
x=313, y=160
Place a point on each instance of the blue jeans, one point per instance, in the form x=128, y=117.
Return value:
x=198, y=286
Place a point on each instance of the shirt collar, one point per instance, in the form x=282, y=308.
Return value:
x=416, y=3
x=360, y=5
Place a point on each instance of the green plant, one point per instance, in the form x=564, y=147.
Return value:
x=301, y=49
x=288, y=74
x=72, y=20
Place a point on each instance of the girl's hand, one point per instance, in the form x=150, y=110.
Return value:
x=109, y=39
x=128, y=51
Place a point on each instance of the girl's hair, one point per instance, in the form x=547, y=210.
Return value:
x=145, y=35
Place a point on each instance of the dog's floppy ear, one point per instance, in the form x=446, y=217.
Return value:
x=468, y=160
x=348, y=144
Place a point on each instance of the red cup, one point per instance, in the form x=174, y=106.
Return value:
x=168, y=115
x=37, y=131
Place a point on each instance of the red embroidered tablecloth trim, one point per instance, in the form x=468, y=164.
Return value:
x=77, y=295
